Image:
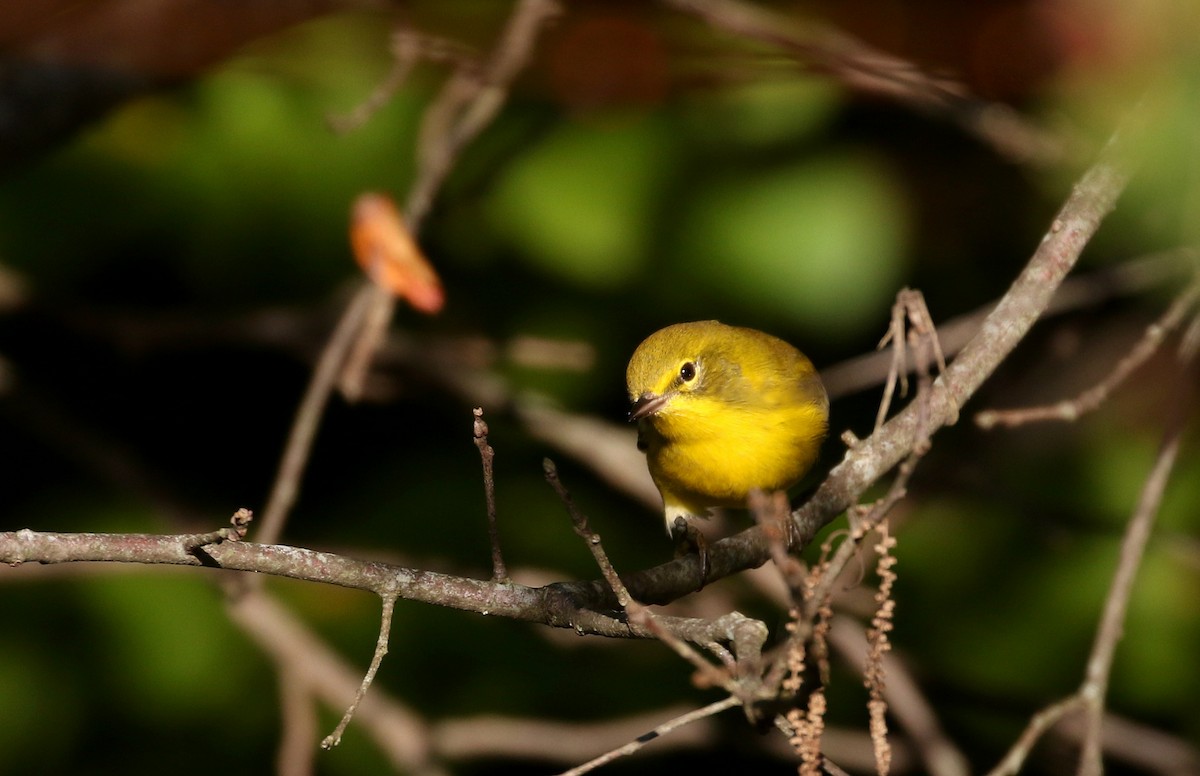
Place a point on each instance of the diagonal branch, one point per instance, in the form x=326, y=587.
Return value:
x=1092, y=198
x=1133, y=547
x=465, y=106
x=1091, y=399
x=867, y=70
x=1090, y=696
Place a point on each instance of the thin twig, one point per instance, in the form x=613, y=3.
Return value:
x=297, y=705
x=1091, y=399
x=469, y=100
x=661, y=730
x=898, y=371
x=381, y=648
x=370, y=333
x=1133, y=547
x=1038, y=725
x=400, y=734
x=1092, y=198
x=832, y=768
x=487, y=455
x=909, y=307
x=408, y=47
x=921, y=337
x=638, y=615
x=867, y=70
x=1130, y=277
x=324, y=378
x=1091, y=694
x=580, y=524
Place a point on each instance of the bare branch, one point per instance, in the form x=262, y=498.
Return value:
x=1133, y=547
x=1092, y=198
x=467, y=104
x=408, y=47
x=870, y=71
x=663, y=729
x=286, y=487
x=1133, y=276
x=381, y=648
x=580, y=524
x=470, y=100
x=1092, y=398
x=1090, y=696
x=1038, y=725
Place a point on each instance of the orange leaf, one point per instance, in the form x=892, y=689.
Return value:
x=387, y=252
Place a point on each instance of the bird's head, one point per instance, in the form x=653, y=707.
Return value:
x=673, y=366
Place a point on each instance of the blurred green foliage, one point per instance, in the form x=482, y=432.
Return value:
x=580, y=205
x=821, y=242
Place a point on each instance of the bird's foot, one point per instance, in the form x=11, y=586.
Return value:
x=688, y=539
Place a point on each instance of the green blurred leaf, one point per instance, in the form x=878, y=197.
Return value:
x=819, y=241
x=762, y=113
x=1163, y=624
x=36, y=695
x=580, y=205
x=170, y=646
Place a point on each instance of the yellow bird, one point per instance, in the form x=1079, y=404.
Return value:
x=722, y=410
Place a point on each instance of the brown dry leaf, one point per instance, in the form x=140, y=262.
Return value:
x=387, y=252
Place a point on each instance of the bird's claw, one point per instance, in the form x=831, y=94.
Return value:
x=689, y=539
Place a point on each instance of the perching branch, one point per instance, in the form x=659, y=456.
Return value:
x=1092, y=198
x=561, y=605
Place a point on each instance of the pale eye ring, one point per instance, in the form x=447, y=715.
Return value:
x=687, y=372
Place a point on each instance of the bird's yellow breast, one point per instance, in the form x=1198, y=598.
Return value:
x=708, y=453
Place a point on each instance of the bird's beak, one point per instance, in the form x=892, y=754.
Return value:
x=647, y=404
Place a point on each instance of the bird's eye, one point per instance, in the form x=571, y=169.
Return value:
x=687, y=372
